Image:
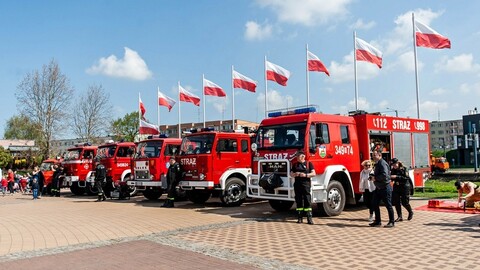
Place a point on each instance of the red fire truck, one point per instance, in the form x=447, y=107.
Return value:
x=46, y=168
x=336, y=145
x=216, y=162
x=117, y=159
x=78, y=165
x=149, y=165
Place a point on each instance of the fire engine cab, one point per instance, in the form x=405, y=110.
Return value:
x=47, y=169
x=216, y=162
x=117, y=159
x=149, y=165
x=78, y=165
x=336, y=145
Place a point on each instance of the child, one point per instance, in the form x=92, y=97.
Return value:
x=35, y=187
x=4, y=184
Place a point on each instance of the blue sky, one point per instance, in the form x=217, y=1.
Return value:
x=132, y=47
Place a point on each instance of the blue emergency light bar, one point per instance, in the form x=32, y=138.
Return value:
x=157, y=136
x=292, y=111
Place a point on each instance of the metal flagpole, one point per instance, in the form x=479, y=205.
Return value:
x=233, y=103
x=416, y=65
x=158, y=108
x=204, y=103
x=266, y=103
x=308, y=81
x=179, y=120
x=355, y=68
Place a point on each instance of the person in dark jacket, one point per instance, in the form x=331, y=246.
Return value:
x=56, y=182
x=174, y=175
x=383, y=190
x=41, y=183
x=100, y=180
x=302, y=171
x=401, y=189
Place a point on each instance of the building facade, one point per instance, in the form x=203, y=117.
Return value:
x=443, y=134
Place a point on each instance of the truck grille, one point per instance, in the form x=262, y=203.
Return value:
x=142, y=175
x=274, y=166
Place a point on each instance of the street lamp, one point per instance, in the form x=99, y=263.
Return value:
x=396, y=111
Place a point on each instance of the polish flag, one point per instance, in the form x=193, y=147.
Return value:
x=277, y=74
x=243, y=82
x=166, y=101
x=147, y=128
x=142, y=108
x=368, y=53
x=188, y=97
x=429, y=38
x=211, y=89
x=314, y=63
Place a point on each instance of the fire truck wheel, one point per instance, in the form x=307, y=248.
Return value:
x=280, y=206
x=335, y=200
x=75, y=189
x=91, y=190
x=198, y=196
x=152, y=194
x=234, y=193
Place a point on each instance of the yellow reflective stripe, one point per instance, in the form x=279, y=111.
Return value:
x=299, y=209
x=170, y=199
x=307, y=209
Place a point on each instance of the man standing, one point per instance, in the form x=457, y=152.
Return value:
x=302, y=171
x=174, y=174
x=383, y=190
x=100, y=178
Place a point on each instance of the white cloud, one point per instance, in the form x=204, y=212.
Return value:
x=467, y=88
x=275, y=101
x=360, y=25
x=255, y=31
x=132, y=66
x=438, y=92
x=343, y=72
x=307, y=12
x=428, y=109
x=459, y=63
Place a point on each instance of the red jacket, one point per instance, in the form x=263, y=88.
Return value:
x=4, y=182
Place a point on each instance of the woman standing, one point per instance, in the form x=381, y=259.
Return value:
x=367, y=187
x=401, y=189
x=11, y=180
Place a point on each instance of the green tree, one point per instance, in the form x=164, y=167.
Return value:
x=125, y=128
x=5, y=157
x=20, y=127
x=44, y=97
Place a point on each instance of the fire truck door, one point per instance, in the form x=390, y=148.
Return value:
x=227, y=156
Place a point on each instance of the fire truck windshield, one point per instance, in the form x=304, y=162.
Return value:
x=197, y=144
x=46, y=166
x=106, y=151
x=73, y=154
x=281, y=136
x=149, y=149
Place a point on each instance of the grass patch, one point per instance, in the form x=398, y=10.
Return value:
x=438, y=189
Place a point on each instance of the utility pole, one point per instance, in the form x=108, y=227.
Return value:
x=396, y=111
x=475, y=147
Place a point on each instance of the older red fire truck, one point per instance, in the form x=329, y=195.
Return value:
x=336, y=145
x=117, y=159
x=78, y=165
x=47, y=169
x=149, y=165
x=216, y=162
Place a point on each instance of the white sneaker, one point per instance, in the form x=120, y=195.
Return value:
x=371, y=218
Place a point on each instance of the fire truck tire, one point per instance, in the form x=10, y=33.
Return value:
x=75, y=189
x=335, y=200
x=152, y=194
x=198, y=196
x=235, y=192
x=281, y=206
x=91, y=190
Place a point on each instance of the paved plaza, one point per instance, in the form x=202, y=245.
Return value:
x=74, y=232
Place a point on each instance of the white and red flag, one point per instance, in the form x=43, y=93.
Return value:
x=243, y=82
x=277, y=74
x=188, y=97
x=429, y=38
x=314, y=63
x=142, y=108
x=166, y=101
x=366, y=52
x=147, y=128
x=212, y=89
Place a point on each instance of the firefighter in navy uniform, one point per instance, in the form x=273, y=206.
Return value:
x=100, y=179
x=55, y=190
x=174, y=175
x=303, y=171
x=402, y=188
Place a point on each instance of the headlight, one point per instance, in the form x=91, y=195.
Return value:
x=254, y=181
x=201, y=176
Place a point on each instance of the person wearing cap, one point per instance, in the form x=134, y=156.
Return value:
x=174, y=174
x=383, y=190
x=100, y=180
x=471, y=190
x=401, y=189
x=302, y=171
